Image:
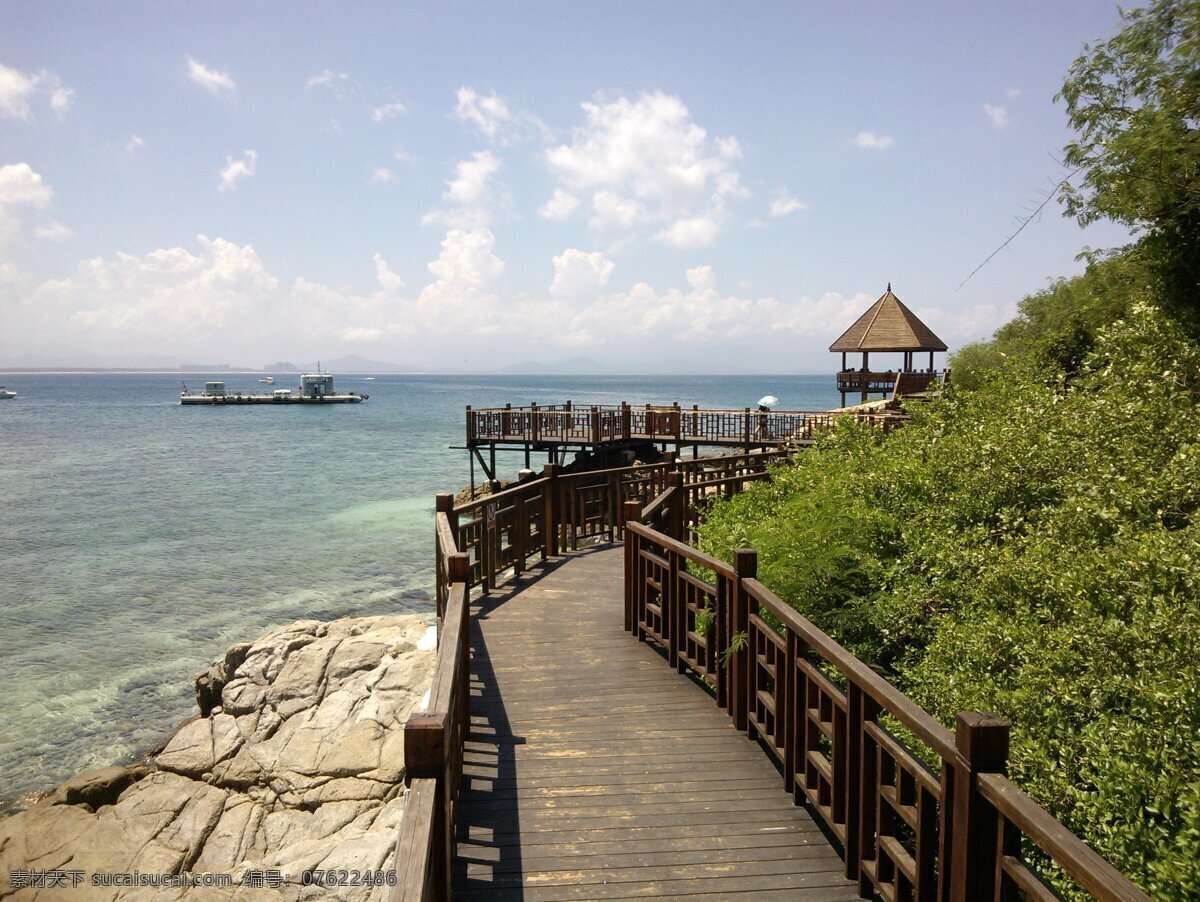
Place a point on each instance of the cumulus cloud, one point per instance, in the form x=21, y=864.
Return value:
x=872, y=141
x=135, y=143
x=21, y=190
x=387, y=279
x=18, y=90
x=646, y=161
x=211, y=80
x=468, y=193
x=167, y=293
x=692, y=232
x=388, y=111
x=1013, y=93
x=236, y=170
x=783, y=204
x=997, y=115
x=580, y=274
x=560, y=206
x=382, y=175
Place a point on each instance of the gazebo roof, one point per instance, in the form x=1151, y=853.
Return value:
x=888, y=326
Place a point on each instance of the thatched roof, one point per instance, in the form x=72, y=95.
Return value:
x=888, y=326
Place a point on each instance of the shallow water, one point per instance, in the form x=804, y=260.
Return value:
x=139, y=539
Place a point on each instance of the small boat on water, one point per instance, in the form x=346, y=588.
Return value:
x=5, y=394
x=269, y=380
x=315, y=388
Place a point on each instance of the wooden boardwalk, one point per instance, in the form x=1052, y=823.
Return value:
x=593, y=770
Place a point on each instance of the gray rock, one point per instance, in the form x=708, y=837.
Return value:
x=295, y=762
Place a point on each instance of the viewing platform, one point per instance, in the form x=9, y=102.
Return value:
x=555, y=429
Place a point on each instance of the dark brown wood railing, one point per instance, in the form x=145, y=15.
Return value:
x=958, y=831
x=475, y=543
x=602, y=423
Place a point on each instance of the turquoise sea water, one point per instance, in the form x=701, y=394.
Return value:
x=139, y=539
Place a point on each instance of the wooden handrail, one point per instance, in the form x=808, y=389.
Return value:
x=907, y=831
x=1085, y=865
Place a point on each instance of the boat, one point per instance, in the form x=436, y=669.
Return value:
x=269, y=380
x=315, y=388
x=5, y=394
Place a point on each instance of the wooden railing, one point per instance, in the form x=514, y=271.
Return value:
x=958, y=831
x=474, y=544
x=603, y=423
x=954, y=832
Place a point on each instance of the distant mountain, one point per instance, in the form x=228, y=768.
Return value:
x=576, y=366
x=281, y=366
x=354, y=363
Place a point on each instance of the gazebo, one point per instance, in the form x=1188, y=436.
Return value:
x=887, y=327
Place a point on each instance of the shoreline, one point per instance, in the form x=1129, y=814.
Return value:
x=293, y=761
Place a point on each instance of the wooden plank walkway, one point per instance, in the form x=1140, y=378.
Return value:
x=594, y=770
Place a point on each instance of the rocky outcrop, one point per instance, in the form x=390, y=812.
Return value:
x=295, y=764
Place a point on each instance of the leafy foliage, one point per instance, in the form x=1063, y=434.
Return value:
x=1135, y=103
x=1031, y=548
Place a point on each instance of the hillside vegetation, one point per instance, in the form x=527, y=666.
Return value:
x=1031, y=544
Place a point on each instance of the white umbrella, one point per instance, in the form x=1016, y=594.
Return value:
x=768, y=401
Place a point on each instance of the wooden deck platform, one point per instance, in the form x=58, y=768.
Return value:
x=594, y=771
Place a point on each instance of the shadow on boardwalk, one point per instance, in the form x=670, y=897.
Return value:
x=593, y=770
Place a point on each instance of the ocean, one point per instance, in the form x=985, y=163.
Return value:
x=139, y=538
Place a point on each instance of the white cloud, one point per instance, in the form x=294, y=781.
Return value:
x=135, y=143
x=783, y=203
x=469, y=193
x=327, y=78
x=388, y=111
x=236, y=170
x=61, y=99
x=382, y=175
x=400, y=156
x=488, y=114
x=646, y=161
x=560, y=206
x=1013, y=93
x=211, y=80
x=580, y=274
x=53, y=231
x=612, y=211
x=21, y=190
x=997, y=115
x=387, y=279
x=695, y=231
x=872, y=141
x=166, y=293
x=471, y=184
x=494, y=118
x=17, y=90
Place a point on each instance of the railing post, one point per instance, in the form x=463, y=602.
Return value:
x=675, y=511
x=550, y=517
x=626, y=420
x=745, y=566
x=594, y=418
x=632, y=512
x=425, y=758
x=445, y=505
x=470, y=426
x=981, y=743
x=520, y=535
x=746, y=430
x=535, y=423
x=506, y=419
x=861, y=780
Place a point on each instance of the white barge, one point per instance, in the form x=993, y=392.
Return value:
x=315, y=388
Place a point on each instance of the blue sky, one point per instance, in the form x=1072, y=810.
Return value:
x=699, y=187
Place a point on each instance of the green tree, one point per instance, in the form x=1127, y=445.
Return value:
x=1135, y=103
